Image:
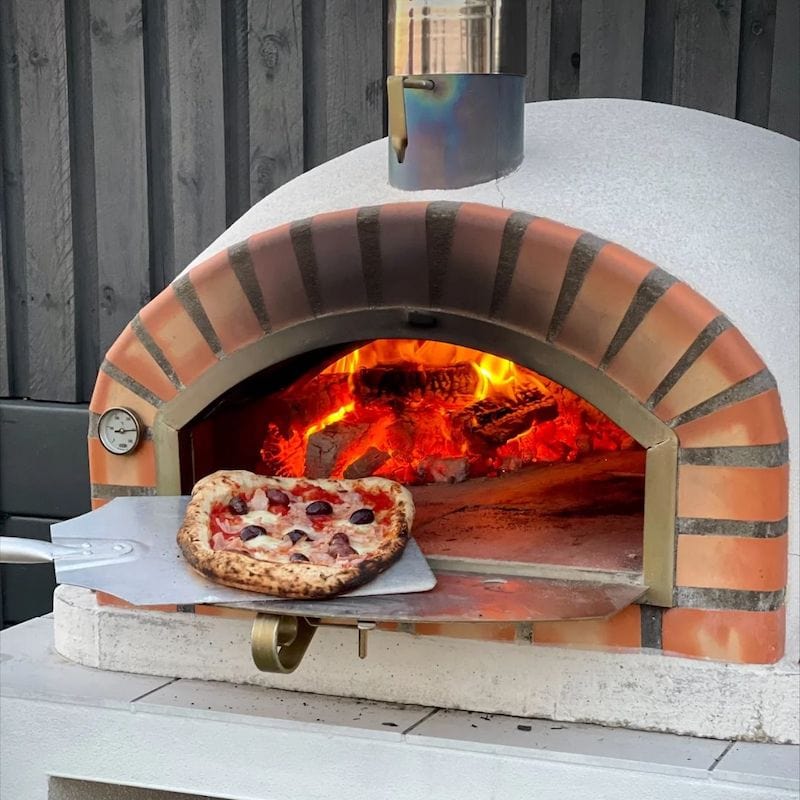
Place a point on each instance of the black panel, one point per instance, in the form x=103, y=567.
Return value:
x=44, y=466
x=27, y=590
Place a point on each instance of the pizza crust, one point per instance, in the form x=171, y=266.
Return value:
x=288, y=580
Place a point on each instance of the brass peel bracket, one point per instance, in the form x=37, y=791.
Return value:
x=398, y=130
x=279, y=643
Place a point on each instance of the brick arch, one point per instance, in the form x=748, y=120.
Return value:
x=618, y=314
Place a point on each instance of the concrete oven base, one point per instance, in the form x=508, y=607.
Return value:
x=74, y=732
x=622, y=689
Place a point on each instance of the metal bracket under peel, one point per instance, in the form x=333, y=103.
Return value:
x=278, y=642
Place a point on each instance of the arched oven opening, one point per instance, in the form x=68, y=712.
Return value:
x=511, y=471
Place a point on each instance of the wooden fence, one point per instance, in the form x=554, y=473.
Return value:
x=134, y=131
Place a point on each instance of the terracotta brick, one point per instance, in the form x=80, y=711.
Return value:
x=600, y=305
x=485, y=631
x=621, y=630
x=129, y=354
x=726, y=361
x=225, y=303
x=757, y=420
x=173, y=330
x=98, y=502
x=404, y=254
x=740, y=493
x=742, y=637
x=135, y=469
x=227, y=613
x=540, y=270
x=279, y=277
x=338, y=257
x=104, y=599
x=661, y=338
x=732, y=562
x=108, y=393
x=477, y=236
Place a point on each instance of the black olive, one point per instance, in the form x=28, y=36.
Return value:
x=250, y=532
x=296, y=535
x=319, y=508
x=238, y=506
x=297, y=557
x=340, y=537
x=362, y=517
x=340, y=549
x=278, y=498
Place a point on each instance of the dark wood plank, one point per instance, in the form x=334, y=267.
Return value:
x=195, y=126
x=47, y=440
x=707, y=55
x=26, y=591
x=344, y=76
x=159, y=159
x=120, y=164
x=756, y=43
x=5, y=382
x=784, y=98
x=84, y=207
x=565, y=49
x=15, y=309
x=275, y=61
x=612, y=41
x=538, y=80
x=659, y=47
x=235, y=83
x=47, y=211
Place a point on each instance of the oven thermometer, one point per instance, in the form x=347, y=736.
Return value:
x=119, y=430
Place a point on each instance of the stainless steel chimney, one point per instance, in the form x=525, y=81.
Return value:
x=456, y=91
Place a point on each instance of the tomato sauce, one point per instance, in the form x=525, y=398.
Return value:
x=377, y=501
x=312, y=493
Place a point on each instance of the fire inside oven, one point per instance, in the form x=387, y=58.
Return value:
x=505, y=465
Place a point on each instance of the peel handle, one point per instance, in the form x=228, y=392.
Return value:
x=14, y=550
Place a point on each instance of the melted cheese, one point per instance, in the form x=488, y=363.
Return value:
x=263, y=543
x=265, y=519
x=274, y=546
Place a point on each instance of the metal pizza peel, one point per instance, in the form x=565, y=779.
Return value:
x=128, y=549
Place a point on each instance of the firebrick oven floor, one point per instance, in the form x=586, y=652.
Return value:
x=70, y=731
x=589, y=513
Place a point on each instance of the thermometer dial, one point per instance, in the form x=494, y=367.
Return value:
x=119, y=430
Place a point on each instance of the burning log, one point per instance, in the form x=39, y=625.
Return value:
x=495, y=421
x=367, y=464
x=325, y=446
x=320, y=397
x=408, y=381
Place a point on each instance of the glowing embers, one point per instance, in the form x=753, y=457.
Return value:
x=420, y=411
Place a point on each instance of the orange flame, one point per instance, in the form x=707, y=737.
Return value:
x=437, y=430
x=334, y=416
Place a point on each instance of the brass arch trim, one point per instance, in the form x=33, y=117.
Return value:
x=393, y=322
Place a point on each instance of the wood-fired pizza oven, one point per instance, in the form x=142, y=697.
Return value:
x=598, y=455
x=685, y=497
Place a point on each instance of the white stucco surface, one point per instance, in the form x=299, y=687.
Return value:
x=714, y=201
x=73, y=732
x=630, y=689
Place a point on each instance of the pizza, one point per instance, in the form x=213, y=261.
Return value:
x=294, y=537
